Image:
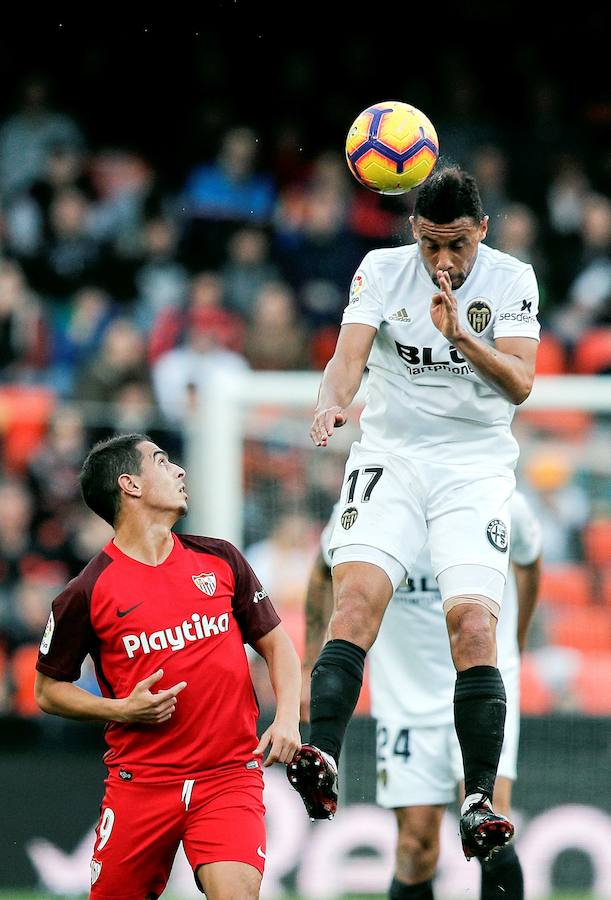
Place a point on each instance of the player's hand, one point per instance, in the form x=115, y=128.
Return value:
x=147, y=708
x=283, y=739
x=325, y=420
x=444, y=309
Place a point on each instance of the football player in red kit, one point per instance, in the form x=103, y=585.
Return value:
x=165, y=618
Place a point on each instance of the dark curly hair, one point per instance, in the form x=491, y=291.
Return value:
x=449, y=194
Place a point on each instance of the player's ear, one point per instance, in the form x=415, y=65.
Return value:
x=414, y=226
x=483, y=228
x=129, y=485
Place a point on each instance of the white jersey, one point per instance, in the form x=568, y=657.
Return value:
x=412, y=675
x=423, y=398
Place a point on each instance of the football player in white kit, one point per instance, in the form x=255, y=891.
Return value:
x=412, y=681
x=448, y=330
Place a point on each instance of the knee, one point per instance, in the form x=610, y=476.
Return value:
x=417, y=856
x=472, y=630
x=355, y=618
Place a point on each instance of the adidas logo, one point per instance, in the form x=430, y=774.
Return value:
x=401, y=315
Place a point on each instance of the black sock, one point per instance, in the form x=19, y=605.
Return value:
x=421, y=891
x=479, y=716
x=502, y=876
x=337, y=677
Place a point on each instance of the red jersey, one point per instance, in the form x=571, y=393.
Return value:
x=190, y=616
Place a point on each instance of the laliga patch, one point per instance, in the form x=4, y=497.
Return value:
x=358, y=283
x=479, y=314
x=206, y=582
x=45, y=644
x=496, y=532
x=96, y=868
x=252, y=764
x=349, y=517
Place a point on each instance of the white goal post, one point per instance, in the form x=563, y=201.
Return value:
x=214, y=439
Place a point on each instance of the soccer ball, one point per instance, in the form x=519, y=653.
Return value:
x=391, y=147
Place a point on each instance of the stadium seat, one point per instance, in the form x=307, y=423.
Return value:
x=597, y=542
x=571, y=425
x=592, y=685
x=565, y=584
x=593, y=351
x=322, y=346
x=24, y=416
x=584, y=628
x=536, y=698
x=551, y=356
x=23, y=671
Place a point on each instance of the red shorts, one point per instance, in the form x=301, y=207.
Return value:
x=218, y=818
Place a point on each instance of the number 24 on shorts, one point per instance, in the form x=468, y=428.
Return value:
x=399, y=748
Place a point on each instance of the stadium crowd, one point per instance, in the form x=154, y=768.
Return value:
x=120, y=292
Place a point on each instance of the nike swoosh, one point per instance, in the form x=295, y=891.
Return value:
x=124, y=612
x=261, y=853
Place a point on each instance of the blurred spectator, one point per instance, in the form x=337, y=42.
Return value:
x=28, y=215
x=517, y=234
x=324, y=251
x=181, y=375
x=77, y=339
x=247, y=268
x=566, y=196
x=561, y=506
x=590, y=292
x=160, y=280
x=230, y=188
x=33, y=597
x=134, y=411
x=54, y=469
x=203, y=311
x=489, y=167
x=124, y=184
x=71, y=257
x=275, y=339
x=229, y=192
x=28, y=135
x=17, y=546
x=284, y=559
x=24, y=337
x=121, y=358
x=89, y=534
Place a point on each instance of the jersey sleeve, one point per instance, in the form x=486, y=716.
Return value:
x=68, y=637
x=517, y=315
x=365, y=305
x=526, y=534
x=252, y=606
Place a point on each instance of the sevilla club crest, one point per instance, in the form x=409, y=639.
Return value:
x=206, y=582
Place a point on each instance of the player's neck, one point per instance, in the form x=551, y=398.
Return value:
x=147, y=542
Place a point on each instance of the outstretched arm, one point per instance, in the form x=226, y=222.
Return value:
x=341, y=380
x=282, y=736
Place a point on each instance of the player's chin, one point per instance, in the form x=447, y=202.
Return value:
x=183, y=509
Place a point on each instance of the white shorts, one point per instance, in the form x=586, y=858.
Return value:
x=422, y=766
x=395, y=505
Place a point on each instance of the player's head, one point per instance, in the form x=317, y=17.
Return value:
x=130, y=472
x=448, y=223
